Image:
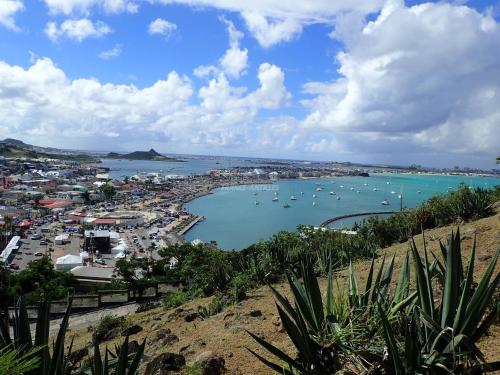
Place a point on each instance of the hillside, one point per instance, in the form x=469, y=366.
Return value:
x=17, y=149
x=225, y=334
x=141, y=155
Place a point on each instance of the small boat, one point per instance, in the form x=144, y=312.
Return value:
x=314, y=195
x=275, y=199
x=388, y=183
x=385, y=202
x=400, y=196
x=393, y=192
x=352, y=188
x=257, y=203
x=374, y=189
x=357, y=191
x=365, y=184
x=319, y=189
x=332, y=193
x=338, y=197
x=292, y=198
x=286, y=205
x=314, y=203
x=301, y=193
x=341, y=186
x=419, y=192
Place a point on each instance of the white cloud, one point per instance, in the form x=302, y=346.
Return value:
x=269, y=32
x=77, y=29
x=8, y=8
x=110, y=53
x=427, y=76
x=276, y=21
x=235, y=60
x=42, y=101
x=83, y=7
x=162, y=27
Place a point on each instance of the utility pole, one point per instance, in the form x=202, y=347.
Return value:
x=401, y=202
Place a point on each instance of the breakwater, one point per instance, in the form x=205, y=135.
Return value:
x=336, y=218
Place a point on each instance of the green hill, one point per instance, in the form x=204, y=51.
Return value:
x=141, y=155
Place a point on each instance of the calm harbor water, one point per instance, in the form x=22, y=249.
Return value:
x=119, y=168
x=235, y=221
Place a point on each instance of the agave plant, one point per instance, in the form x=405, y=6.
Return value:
x=442, y=332
x=320, y=331
x=23, y=342
x=118, y=363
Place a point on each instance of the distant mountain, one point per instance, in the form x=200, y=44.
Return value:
x=141, y=155
x=14, y=148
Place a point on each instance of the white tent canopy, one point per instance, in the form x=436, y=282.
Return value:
x=68, y=262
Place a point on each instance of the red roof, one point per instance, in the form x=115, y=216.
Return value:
x=104, y=221
x=54, y=204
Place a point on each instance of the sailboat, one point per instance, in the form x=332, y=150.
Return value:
x=332, y=193
x=314, y=195
x=385, y=202
x=286, y=205
x=275, y=199
x=257, y=202
x=375, y=189
x=393, y=192
x=293, y=198
x=319, y=189
x=338, y=197
x=314, y=203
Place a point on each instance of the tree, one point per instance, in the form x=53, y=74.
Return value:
x=85, y=195
x=108, y=190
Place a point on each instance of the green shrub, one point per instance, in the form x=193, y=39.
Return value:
x=216, y=305
x=110, y=326
x=240, y=284
x=174, y=299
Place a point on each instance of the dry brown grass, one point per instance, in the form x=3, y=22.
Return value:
x=225, y=333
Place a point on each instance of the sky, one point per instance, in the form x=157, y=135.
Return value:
x=372, y=81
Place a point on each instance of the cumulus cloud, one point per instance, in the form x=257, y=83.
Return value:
x=276, y=21
x=234, y=62
x=110, y=53
x=162, y=27
x=42, y=101
x=78, y=30
x=427, y=76
x=8, y=8
x=83, y=7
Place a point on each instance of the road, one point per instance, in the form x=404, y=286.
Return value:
x=81, y=321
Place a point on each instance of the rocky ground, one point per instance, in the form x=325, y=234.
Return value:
x=178, y=336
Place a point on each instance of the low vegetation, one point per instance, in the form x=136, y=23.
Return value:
x=432, y=328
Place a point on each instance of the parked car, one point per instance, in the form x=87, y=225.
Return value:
x=36, y=237
x=38, y=254
x=14, y=266
x=100, y=261
x=43, y=242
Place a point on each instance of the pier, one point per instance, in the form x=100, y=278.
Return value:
x=336, y=218
x=190, y=225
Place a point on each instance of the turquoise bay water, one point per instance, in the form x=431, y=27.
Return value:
x=235, y=221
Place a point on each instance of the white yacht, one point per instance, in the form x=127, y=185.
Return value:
x=385, y=202
x=292, y=198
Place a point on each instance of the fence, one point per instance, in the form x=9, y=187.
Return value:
x=103, y=298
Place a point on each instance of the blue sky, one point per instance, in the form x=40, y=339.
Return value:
x=361, y=80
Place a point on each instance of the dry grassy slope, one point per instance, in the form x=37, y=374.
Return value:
x=224, y=334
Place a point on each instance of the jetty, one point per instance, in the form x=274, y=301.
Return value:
x=190, y=225
x=336, y=218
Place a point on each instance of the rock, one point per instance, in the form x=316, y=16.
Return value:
x=165, y=363
x=277, y=325
x=191, y=316
x=255, y=313
x=227, y=315
x=132, y=330
x=482, y=258
x=169, y=339
x=214, y=365
x=78, y=355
